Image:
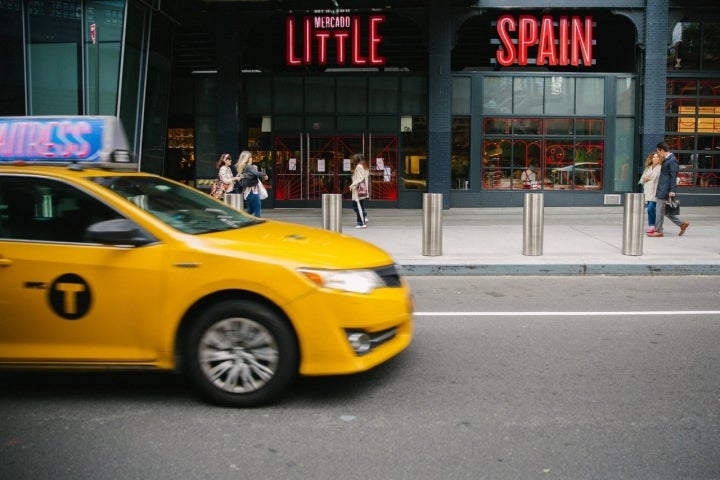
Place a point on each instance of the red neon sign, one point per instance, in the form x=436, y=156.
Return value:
x=567, y=44
x=318, y=33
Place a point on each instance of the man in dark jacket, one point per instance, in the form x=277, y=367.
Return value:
x=666, y=190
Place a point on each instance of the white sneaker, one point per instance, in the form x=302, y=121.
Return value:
x=360, y=226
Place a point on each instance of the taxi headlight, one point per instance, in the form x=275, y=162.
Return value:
x=355, y=281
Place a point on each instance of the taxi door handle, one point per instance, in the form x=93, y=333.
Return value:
x=5, y=262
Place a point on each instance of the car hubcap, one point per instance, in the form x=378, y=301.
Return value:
x=238, y=355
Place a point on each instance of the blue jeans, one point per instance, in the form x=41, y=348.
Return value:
x=360, y=219
x=253, y=204
x=651, y=213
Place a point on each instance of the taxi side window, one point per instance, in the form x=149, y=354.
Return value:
x=43, y=209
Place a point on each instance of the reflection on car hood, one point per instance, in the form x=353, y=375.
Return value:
x=300, y=245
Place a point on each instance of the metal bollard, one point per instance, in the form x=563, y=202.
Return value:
x=235, y=200
x=633, y=214
x=432, y=224
x=533, y=220
x=332, y=211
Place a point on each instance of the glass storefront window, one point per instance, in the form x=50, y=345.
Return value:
x=590, y=98
x=54, y=76
x=137, y=22
x=559, y=126
x=625, y=100
x=592, y=126
x=460, y=154
x=528, y=95
x=415, y=163
x=527, y=126
x=496, y=126
x=694, y=46
x=553, y=140
x=711, y=46
x=684, y=46
x=692, y=129
x=157, y=92
x=103, y=26
x=497, y=95
x=624, y=151
x=461, y=95
x=560, y=96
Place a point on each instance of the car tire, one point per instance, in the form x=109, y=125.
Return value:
x=240, y=354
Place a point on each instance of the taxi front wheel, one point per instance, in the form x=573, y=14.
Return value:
x=240, y=354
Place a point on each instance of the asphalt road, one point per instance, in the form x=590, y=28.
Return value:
x=507, y=378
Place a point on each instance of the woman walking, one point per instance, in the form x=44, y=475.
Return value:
x=359, y=189
x=224, y=182
x=252, y=177
x=649, y=181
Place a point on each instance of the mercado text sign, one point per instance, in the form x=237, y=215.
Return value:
x=567, y=41
x=310, y=39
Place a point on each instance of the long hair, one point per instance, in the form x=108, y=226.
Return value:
x=243, y=161
x=221, y=162
x=648, y=160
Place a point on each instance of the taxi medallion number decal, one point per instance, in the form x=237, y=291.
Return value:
x=70, y=296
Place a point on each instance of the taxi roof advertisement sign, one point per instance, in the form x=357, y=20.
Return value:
x=60, y=139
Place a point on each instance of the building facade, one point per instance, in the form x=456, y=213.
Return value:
x=481, y=100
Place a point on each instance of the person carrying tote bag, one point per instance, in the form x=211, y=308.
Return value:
x=252, y=180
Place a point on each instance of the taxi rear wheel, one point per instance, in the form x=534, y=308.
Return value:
x=240, y=354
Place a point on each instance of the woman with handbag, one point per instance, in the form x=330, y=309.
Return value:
x=224, y=183
x=359, y=189
x=251, y=182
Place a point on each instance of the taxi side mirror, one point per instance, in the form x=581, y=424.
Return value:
x=118, y=232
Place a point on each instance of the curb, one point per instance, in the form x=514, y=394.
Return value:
x=559, y=269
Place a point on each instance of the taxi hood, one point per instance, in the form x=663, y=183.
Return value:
x=300, y=245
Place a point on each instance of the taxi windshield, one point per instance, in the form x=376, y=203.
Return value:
x=183, y=208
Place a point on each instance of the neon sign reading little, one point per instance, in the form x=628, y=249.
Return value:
x=569, y=42
x=319, y=33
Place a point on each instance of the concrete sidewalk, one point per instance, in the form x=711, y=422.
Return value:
x=489, y=241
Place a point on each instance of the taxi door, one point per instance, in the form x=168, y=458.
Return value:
x=64, y=300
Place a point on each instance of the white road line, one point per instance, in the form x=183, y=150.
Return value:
x=565, y=314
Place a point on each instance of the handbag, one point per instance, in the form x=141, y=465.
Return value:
x=672, y=206
x=262, y=191
x=362, y=188
x=218, y=189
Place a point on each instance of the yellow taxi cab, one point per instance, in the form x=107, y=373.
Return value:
x=102, y=266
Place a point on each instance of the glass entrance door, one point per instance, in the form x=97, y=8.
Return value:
x=308, y=165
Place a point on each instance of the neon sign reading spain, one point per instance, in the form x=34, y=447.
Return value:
x=51, y=139
x=567, y=42
x=318, y=33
